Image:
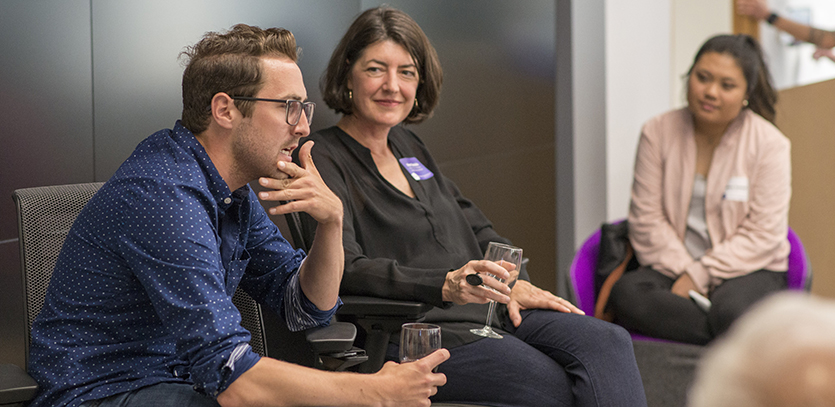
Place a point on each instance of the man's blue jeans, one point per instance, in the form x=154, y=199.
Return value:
x=158, y=395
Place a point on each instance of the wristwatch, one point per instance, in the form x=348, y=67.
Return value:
x=772, y=18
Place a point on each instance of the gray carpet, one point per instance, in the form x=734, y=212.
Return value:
x=667, y=371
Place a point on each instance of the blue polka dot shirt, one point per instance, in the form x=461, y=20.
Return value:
x=142, y=290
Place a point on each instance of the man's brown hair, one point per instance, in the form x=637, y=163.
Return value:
x=229, y=62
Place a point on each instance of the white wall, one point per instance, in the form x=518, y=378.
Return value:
x=626, y=67
x=650, y=45
x=589, y=106
x=693, y=23
x=638, y=46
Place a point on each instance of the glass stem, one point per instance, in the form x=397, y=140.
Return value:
x=490, y=314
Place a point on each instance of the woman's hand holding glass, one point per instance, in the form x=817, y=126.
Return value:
x=456, y=289
x=510, y=258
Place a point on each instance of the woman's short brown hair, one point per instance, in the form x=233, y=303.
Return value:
x=229, y=62
x=372, y=26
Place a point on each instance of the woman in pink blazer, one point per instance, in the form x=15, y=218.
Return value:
x=710, y=201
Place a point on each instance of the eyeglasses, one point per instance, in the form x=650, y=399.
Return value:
x=293, y=111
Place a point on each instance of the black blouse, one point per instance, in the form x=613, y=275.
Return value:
x=401, y=247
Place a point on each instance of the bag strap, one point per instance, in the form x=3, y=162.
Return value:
x=606, y=289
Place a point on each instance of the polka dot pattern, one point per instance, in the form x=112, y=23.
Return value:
x=142, y=290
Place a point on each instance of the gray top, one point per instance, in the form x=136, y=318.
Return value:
x=696, y=238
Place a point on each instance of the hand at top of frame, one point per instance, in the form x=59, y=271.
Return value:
x=824, y=52
x=528, y=296
x=757, y=9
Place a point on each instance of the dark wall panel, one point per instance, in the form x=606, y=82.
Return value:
x=137, y=71
x=45, y=97
x=83, y=81
x=46, y=135
x=493, y=132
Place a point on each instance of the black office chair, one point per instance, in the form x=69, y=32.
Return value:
x=45, y=215
x=378, y=318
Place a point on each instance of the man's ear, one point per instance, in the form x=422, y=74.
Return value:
x=224, y=111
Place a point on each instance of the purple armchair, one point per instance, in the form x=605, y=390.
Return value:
x=799, y=275
x=667, y=367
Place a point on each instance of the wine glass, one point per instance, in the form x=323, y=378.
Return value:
x=418, y=340
x=500, y=253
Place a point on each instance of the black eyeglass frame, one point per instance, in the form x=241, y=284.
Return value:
x=306, y=107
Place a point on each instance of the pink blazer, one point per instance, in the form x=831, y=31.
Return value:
x=746, y=203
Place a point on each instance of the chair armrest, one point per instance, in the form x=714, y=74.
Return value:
x=15, y=385
x=333, y=346
x=336, y=337
x=379, y=318
x=362, y=307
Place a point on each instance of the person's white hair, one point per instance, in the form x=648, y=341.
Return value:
x=781, y=353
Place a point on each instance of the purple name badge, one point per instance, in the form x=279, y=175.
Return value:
x=416, y=169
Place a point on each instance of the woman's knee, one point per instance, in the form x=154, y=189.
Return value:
x=723, y=314
x=628, y=302
x=604, y=335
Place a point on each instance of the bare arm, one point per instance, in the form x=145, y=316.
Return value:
x=321, y=272
x=275, y=383
x=821, y=38
x=759, y=10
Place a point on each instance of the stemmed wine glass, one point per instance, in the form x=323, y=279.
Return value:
x=500, y=253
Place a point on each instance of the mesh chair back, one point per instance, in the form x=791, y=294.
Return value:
x=251, y=320
x=45, y=215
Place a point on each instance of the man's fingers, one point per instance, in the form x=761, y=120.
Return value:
x=305, y=158
x=274, y=184
x=283, y=209
x=435, y=358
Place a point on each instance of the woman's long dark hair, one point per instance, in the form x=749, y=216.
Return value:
x=749, y=56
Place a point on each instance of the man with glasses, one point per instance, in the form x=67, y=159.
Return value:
x=139, y=309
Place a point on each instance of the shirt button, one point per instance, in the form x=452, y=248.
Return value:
x=227, y=201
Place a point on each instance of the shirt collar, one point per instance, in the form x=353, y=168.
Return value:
x=217, y=186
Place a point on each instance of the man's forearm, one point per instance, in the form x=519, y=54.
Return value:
x=805, y=33
x=321, y=272
x=275, y=383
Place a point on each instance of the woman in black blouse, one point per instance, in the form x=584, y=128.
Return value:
x=409, y=234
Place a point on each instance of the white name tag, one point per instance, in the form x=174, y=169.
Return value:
x=737, y=189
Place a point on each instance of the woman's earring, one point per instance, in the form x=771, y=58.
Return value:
x=416, y=103
x=351, y=94
x=745, y=102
